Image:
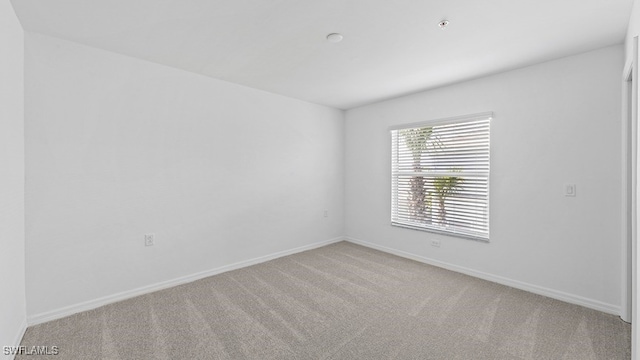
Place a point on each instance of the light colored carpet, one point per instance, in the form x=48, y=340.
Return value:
x=342, y=301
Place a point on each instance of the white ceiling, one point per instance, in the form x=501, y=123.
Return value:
x=390, y=48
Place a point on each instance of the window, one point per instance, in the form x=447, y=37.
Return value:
x=440, y=176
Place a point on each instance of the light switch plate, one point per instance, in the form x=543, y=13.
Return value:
x=149, y=239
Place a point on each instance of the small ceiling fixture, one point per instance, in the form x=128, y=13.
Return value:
x=443, y=24
x=334, y=37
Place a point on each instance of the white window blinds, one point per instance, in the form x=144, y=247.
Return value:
x=440, y=176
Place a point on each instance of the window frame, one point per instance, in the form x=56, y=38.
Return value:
x=432, y=123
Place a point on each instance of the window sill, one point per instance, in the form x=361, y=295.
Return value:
x=443, y=232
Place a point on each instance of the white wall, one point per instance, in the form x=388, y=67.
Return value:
x=118, y=147
x=12, y=294
x=555, y=123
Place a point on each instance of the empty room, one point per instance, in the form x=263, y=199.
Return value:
x=338, y=179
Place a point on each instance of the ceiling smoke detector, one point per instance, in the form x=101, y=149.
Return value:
x=334, y=38
x=443, y=24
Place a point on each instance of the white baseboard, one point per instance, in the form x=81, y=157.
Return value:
x=92, y=304
x=18, y=338
x=554, y=294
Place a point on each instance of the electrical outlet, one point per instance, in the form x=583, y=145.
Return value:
x=570, y=190
x=149, y=239
x=326, y=213
x=435, y=243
